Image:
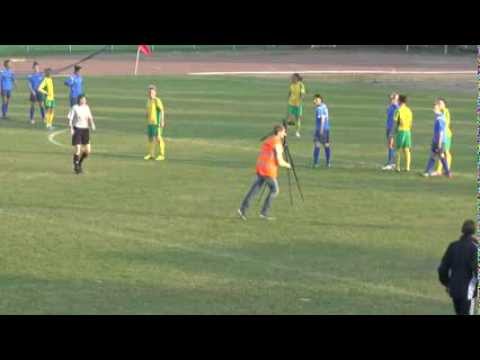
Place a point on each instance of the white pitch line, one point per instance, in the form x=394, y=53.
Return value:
x=51, y=138
x=338, y=72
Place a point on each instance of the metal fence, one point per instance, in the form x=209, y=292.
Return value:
x=37, y=50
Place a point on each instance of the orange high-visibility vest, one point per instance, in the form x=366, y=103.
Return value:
x=267, y=164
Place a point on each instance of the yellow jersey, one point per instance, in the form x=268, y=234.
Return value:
x=154, y=109
x=296, y=92
x=403, y=118
x=449, y=132
x=47, y=87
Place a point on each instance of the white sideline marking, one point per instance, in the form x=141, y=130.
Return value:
x=51, y=138
x=344, y=72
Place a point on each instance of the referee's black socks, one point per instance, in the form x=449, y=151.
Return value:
x=83, y=157
x=76, y=159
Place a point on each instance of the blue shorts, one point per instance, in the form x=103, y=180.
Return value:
x=7, y=93
x=322, y=139
x=73, y=100
x=38, y=97
x=390, y=133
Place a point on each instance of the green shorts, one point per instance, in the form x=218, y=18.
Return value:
x=295, y=111
x=403, y=139
x=447, y=145
x=154, y=131
x=50, y=104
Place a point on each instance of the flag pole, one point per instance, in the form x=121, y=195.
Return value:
x=138, y=59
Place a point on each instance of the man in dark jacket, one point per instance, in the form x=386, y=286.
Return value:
x=458, y=270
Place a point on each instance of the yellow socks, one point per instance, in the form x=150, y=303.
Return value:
x=439, y=169
x=397, y=167
x=408, y=158
x=162, y=145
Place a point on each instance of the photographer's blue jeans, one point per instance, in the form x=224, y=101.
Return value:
x=256, y=186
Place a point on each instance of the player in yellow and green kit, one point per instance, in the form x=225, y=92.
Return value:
x=156, y=124
x=441, y=102
x=295, y=102
x=403, y=136
x=46, y=88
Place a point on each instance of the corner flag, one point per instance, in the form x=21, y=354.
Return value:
x=145, y=50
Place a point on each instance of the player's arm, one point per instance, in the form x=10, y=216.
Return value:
x=30, y=86
x=42, y=86
x=441, y=133
x=322, y=123
x=69, y=81
x=396, y=119
x=162, y=113
x=91, y=121
x=279, y=156
x=71, y=115
x=444, y=268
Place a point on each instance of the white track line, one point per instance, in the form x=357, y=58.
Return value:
x=337, y=72
x=51, y=138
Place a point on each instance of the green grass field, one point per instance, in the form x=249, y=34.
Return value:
x=137, y=237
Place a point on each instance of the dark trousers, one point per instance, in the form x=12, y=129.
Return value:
x=255, y=188
x=463, y=306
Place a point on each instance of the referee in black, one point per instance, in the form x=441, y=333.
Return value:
x=80, y=121
x=458, y=270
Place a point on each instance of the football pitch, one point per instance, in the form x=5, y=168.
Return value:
x=143, y=237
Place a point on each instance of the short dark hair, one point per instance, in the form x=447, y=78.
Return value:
x=442, y=99
x=468, y=228
x=402, y=99
x=278, y=128
x=48, y=71
x=80, y=97
x=6, y=62
x=77, y=68
x=297, y=75
x=35, y=64
x=318, y=96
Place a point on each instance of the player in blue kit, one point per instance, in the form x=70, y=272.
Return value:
x=34, y=80
x=75, y=83
x=390, y=131
x=438, y=143
x=322, y=131
x=7, y=84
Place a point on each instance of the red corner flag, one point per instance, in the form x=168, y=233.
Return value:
x=145, y=49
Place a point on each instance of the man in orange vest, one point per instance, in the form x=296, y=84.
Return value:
x=270, y=158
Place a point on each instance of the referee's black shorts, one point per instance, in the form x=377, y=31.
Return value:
x=80, y=137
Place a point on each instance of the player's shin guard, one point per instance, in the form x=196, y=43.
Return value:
x=449, y=160
x=397, y=166
x=446, y=168
x=83, y=157
x=32, y=112
x=391, y=155
x=161, y=143
x=42, y=111
x=408, y=159
x=151, y=148
x=316, y=155
x=430, y=164
x=328, y=153
x=4, y=109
